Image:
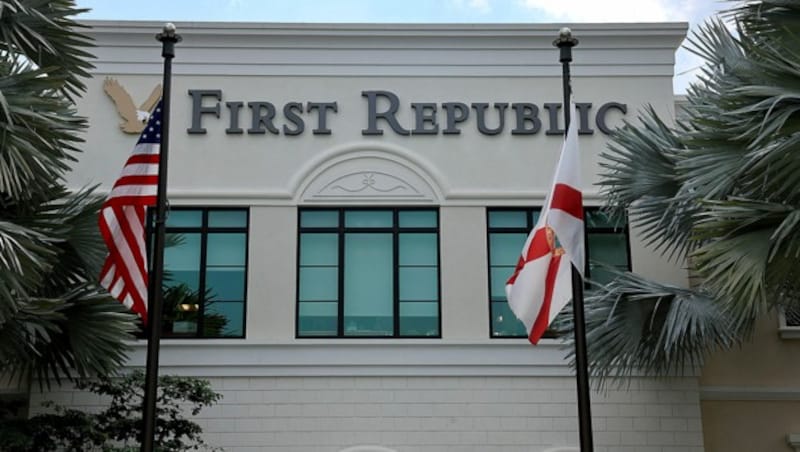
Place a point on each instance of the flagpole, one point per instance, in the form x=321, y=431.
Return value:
x=565, y=43
x=168, y=38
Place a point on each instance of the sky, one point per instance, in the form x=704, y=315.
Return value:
x=558, y=12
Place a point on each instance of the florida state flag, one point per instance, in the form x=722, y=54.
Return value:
x=542, y=282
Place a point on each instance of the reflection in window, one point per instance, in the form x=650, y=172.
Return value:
x=205, y=272
x=606, y=246
x=368, y=273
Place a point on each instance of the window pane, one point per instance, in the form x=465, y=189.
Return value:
x=368, y=219
x=368, y=285
x=599, y=218
x=508, y=219
x=319, y=284
x=224, y=319
x=182, y=261
x=225, y=283
x=417, y=218
x=610, y=249
x=180, y=304
x=317, y=319
x=602, y=275
x=419, y=319
x=319, y=219
x=227, y=218
x=184, y=218
x=504, y=323
x=505, y=248
x=418, y=283
x=319, y=249
x=417, y=249
x=180, y=327
x=226, y=249
x=499, y=276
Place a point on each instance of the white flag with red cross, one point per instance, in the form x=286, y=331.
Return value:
x=542, y=282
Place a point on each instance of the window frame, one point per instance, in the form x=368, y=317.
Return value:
x=623, y=228
x=341, y=230
x=788, y=329
x=204, y=230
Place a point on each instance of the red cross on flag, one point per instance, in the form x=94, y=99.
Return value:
x=542, y=282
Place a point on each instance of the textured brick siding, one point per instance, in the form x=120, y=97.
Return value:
x=502, y=414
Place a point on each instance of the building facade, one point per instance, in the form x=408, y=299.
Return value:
x=346, y=204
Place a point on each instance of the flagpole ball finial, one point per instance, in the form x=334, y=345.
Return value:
x=565, y=38
x=168, y=34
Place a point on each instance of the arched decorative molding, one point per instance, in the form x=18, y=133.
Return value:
x=371, y=172
x=367, y=449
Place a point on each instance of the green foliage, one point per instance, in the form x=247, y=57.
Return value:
x=719, y=190
x=118, y=427
x=54, y=321
x=180, y=304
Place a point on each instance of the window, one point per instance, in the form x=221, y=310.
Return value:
x=368, y=273
x=205, y=272
x=606, y=244
x=789, y=322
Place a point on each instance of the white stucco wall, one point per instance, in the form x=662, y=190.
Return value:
x=456, y=413
x=463, y=391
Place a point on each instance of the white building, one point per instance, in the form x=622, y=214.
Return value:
x=351, y=199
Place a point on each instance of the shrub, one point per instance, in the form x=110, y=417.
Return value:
x=118, y=427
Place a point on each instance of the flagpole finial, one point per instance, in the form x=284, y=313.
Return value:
x=565, y=38
x=168, y=33
x=169, y=28
x=565, y=42
x=168, y=37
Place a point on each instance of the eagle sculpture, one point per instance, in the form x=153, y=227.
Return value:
x=134, y=118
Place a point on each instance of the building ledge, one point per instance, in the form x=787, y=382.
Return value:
x=789, y=332
x=793, y=440
x=347, y=357
x=357, y=357
x=749, y=393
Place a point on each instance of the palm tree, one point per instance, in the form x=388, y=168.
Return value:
x=718, y=191
x=54, y=321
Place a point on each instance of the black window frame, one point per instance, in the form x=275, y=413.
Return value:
x=340, y=230
x=204, y=229
x=587, y=210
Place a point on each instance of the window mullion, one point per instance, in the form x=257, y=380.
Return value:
x=201, y=291
x=340, y=277
x=396, y=275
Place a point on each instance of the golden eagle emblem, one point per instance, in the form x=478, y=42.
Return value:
x=134, y=119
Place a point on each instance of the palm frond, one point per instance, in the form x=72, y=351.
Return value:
x=728, y=194
x=38, y=134
x=739, y=259
x=25, y=258
x=72, y=218
x=44, y=33
x=54, y=322
x=81, y=333
x=640, y=176
x=639, y=327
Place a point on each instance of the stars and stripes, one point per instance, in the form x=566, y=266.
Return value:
x=542, y=281
x=122, y=220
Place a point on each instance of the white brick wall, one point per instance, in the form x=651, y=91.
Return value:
x=439, y=413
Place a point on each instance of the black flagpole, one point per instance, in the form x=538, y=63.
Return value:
x=168, y=38
x=565, y=43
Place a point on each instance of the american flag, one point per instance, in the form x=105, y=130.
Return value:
x=122, y=220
